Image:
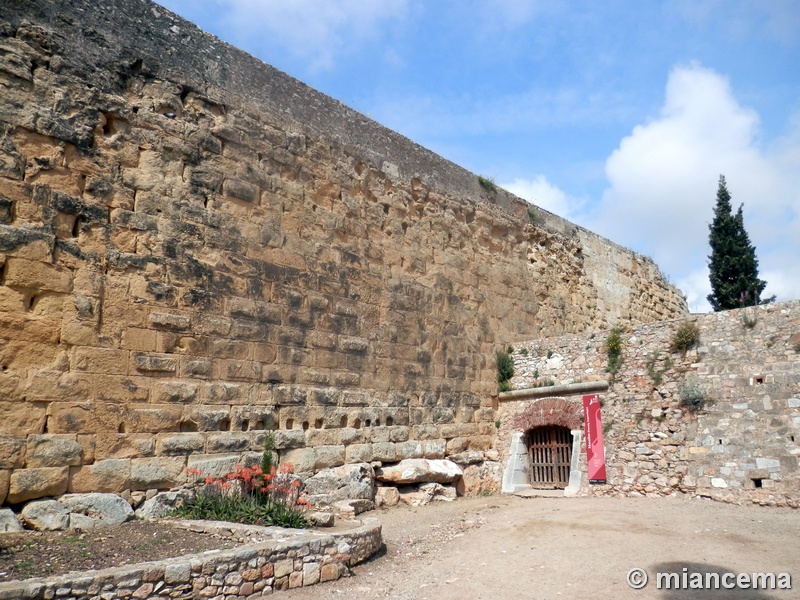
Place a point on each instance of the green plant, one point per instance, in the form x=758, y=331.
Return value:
x=497, y=424
x=614, y=350
x=505, y=370
x=693, y=396
x=266, y=456
x=536, y=373
x=523, y=351
x=607, y=426
x=749, y=320
x=653, y=370
x=549, y=354
x=685, y=337
x=796, y=346
x=533, y=217
x=248, y=495
x=487, y=183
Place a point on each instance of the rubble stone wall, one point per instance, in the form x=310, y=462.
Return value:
x=196, y=248
x=743, y=445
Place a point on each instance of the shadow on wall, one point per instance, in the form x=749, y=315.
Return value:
x=698, y=581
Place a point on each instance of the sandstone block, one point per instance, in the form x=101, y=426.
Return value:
x=27, y=484
x=171, y=444
x=349, y=435
x=207, y=418
x=150, y=418
x=120, y=388
x=119, y=445
x=135, y=338
x=158, y=473
x=23, y=273
x=5, y=477
x=294, y=438
x=80, y=417
x=301, y=458
x=311, y=573
x=21, y=418
x=12, y=451
x=410, y=449
x=111, y=475
x=329, y=572
x=328, y=456
x=433, y=448
x=53, y=451
x=359, y=453
x=387, y=496
x=48, y=385
x=228, y=442
x=177, y=391
x=322, y=437
x=171, y=321
x=155, y=363
x=419, y=471
x=101, y=360
x=213, y=465
x=384, y=452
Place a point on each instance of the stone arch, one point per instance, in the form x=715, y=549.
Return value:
x=549, y=411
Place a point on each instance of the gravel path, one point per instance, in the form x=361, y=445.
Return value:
x=506, y=547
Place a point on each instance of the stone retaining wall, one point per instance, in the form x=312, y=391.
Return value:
x=744, y=445
x=195, y=248
x=255, y=570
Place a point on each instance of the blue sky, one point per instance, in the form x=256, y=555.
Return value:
x=619, y=116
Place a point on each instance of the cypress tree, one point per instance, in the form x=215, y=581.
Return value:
x=733, y=266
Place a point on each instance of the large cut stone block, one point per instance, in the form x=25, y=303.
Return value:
x=27, y=484
x=419, y=471
x=53, y=451
x=12, y=451
x=160, y=473
x=112, y=475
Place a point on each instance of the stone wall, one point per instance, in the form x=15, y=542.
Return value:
x=744, y=445
x=253, y=570
x=195, y=248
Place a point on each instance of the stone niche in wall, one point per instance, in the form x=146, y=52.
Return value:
x=196, y=248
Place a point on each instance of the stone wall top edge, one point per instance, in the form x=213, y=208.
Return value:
x=182, y=52
x=792, y=306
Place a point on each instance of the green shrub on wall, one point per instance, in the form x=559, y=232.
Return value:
x=685, y=337
x=505, y=371
x=614, y=350
x=693, y=396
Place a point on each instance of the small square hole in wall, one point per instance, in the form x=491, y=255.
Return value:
x=756, y=482
x=758, y=380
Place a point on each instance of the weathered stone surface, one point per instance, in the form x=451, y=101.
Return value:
x=9, y=521
x=100, y=509
x=321, y=519
x=160, y=472
x=160, y=505
x=419, y=471
x=341, y=483
x=349, y=509
x=45, y=515
x=12, y=451
x=187, y=244
x=26, y=484
x=110, y=475
x=386, y=496
x=53, y=451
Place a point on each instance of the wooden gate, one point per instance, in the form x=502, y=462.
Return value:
x=550, y=451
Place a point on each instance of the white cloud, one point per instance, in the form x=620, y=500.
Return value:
x=544, y=194
x=663, y=180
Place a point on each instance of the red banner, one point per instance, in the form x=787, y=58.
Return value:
x=595, y=450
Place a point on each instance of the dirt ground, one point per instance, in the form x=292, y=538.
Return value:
x=497, y=547
x=502, y=547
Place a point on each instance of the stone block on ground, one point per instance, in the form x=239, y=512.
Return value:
x=387, y=496
x=418, y=470
x=321, y=518
x=162, y=504
x=45, y=515
x=28, y=484
x=99, y=509
x=349, y=509
x=353, y=481
x=9, y=521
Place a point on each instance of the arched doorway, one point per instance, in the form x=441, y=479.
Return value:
x=550, y=454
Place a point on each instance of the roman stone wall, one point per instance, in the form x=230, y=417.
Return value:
x=743, y=445
x=195, y=248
